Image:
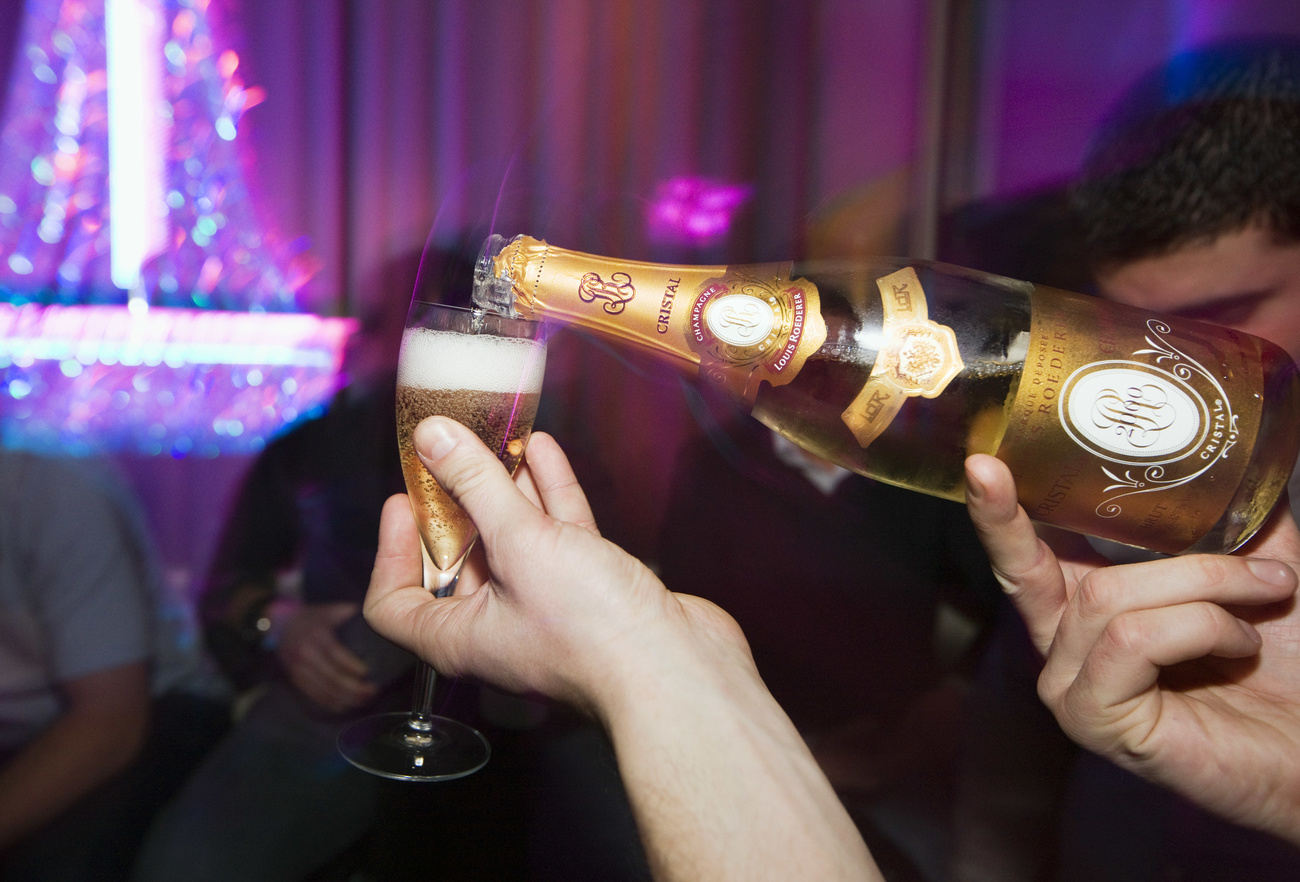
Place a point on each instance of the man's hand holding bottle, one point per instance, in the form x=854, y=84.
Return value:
x=1185, y=670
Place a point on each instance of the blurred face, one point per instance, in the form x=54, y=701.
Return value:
x=1248, y=280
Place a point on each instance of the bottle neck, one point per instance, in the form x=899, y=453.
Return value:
x=738, y=326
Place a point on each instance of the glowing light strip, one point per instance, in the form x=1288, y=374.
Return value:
x=76, y=380
x=137, y=218
x=175, y=337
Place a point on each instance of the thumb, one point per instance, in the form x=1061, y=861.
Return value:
x=472, y=476
x=396, y=593
x=1027, y=568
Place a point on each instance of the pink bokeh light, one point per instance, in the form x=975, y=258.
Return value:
x=694, y=210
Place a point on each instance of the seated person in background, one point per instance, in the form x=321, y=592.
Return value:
x=105, y=701
x=275, y=800
x=1189, y=203
x=281, y=609
x=837, y=581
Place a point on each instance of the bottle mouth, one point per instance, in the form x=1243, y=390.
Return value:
x=492, y=292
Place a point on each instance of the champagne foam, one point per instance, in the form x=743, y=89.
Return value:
x=445, y=360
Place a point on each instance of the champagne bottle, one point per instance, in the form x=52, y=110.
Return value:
x=1154, y=431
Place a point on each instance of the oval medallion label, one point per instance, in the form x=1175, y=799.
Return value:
x=739, y=319
x=1133, y=413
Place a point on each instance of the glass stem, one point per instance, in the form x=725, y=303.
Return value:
x=422, y=698
x=442, y=583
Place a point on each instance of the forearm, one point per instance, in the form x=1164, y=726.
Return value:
x=720, y=781
x=66, y=762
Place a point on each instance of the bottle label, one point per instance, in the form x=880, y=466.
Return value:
x=1145, y=428
x=739, y=326
x=917, y=356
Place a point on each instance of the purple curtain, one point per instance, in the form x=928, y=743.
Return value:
x=386, y=118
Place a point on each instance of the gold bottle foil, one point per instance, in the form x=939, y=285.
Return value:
x=1130, y=419
x=738, y=326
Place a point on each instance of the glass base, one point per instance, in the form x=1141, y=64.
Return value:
x=387, y=745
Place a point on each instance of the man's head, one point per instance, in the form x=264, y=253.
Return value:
x=440, y=275
x=1189, y=201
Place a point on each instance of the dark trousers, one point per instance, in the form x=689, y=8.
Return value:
x=96, y=840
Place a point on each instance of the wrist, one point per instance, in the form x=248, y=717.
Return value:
x=274, y=619
x=1281, y=817
x=679, y=660
x=1290, y=831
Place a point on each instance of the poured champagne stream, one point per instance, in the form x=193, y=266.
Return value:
x=492, y=385
x=1154, y=431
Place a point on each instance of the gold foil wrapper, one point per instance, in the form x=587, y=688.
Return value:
x=736, y=326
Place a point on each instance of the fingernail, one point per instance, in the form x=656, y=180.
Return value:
x=434, y=439
x=1272, y=571
x=1249, y=630
x=974, y=486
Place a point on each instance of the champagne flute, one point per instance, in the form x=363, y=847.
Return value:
x=484, y=370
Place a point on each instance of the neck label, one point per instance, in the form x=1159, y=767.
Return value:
x=917, y=357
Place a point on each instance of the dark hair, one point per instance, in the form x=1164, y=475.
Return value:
x=1209, y=144
x=442, y=274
